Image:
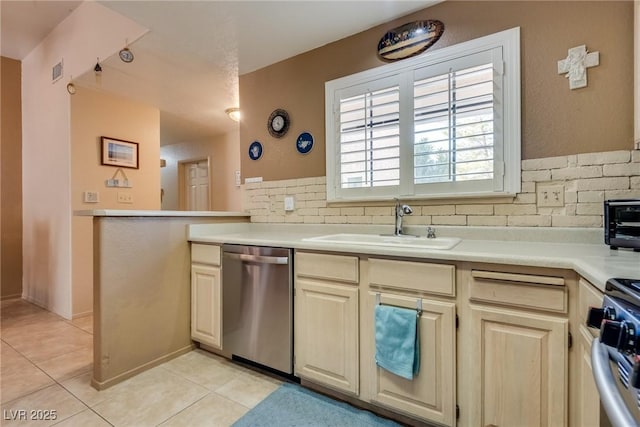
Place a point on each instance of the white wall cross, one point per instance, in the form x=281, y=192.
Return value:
x=576, y=64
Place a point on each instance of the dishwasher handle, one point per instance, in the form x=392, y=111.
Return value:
x=611, y=399
x=261, y=259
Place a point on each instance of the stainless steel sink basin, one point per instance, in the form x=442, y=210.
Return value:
x=390, y=240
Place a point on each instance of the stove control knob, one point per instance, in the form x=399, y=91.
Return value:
x=595, y=317
x=627, y=337
x=610, y=333
x=609, y=313
x=634, y=381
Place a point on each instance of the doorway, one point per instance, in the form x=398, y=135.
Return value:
x=194, y=182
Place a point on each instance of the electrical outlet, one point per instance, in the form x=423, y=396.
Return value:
x=289, y=203
x=90, y=197
x=550, y=196
x=125, y=197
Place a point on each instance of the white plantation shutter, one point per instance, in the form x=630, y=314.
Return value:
x=370, y=139
x=446, y=126
x=454, y=138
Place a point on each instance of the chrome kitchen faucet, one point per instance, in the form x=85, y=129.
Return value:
x=401, y=211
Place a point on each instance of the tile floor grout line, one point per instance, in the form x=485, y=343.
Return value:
x=35, y=366
x=232, y=401
x=76, y=326
x=239, y=372
x=184, y=409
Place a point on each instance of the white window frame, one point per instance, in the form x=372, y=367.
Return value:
x=507, y=123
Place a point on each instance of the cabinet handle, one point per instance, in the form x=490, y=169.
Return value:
x=517, y=277
x=258, y=258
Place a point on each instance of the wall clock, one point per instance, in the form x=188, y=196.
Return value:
x=126, y=55
x=278, y=123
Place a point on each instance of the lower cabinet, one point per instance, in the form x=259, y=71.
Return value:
x=587, y=413
x=326, y=321
x=584, y=393
x=206, y=295
x=206, y=305
x=431, y=393
x=519, y=364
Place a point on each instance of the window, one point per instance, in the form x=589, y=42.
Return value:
x=444, y=124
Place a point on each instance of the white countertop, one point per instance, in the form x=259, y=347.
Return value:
x=576, y=249
x=124, y=212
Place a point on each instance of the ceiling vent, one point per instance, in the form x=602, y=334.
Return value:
x=56, y=72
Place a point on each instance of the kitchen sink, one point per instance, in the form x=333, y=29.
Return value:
x=405, y=241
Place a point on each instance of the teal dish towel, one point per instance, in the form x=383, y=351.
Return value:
x=397, y=344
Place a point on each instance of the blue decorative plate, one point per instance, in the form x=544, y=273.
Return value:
x=255, y=150
x=304, y=143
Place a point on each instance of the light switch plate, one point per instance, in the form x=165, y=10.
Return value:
x=289, y=203
x=550, y=196
x=238, y=180
x=90, y=197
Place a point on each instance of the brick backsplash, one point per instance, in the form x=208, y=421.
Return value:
x=588, y=179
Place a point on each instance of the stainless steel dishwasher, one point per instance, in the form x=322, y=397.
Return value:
x=257, y=298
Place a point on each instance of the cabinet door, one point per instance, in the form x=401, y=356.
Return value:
x=521, y=369
x=587, y=413
x=206, y=305
x=431, y=394
x=326, y=334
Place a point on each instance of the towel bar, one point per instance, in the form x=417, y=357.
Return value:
x=418, y=304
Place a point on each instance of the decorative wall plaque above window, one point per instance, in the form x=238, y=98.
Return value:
x=409, y=39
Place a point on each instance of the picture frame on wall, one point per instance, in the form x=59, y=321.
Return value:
x=120, y=153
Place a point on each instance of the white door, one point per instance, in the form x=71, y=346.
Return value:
x=196, y=181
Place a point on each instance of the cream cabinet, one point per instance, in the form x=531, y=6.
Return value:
x=206, y=295
x=585, y=397
x=431, y=393
x=326, y=320
x=428, y=288
x=519, y=367
x=515, y=362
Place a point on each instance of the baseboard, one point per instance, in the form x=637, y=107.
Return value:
x=103, y=385
x=35, y=302
x=13, y=296
x=81, y=315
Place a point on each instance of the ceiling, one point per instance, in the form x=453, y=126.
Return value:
x=188, y=64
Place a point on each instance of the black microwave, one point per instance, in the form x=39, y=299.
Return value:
x=622, y=223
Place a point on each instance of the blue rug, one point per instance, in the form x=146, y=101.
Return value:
x=293, y=405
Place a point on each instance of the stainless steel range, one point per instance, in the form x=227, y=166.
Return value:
x=615, y=357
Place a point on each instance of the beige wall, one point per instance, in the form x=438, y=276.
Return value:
x=95, y=114
x=11, y=179
x=637, y=74
x=555, y=120
x=90, y=31
x=224, y=156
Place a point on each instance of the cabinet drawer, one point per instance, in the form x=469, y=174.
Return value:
x=520, y=290
x=205, y=254
x=339, y=268
x=417, y=276
x=588, y=296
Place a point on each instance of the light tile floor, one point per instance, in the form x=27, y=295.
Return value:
x=46, y=362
